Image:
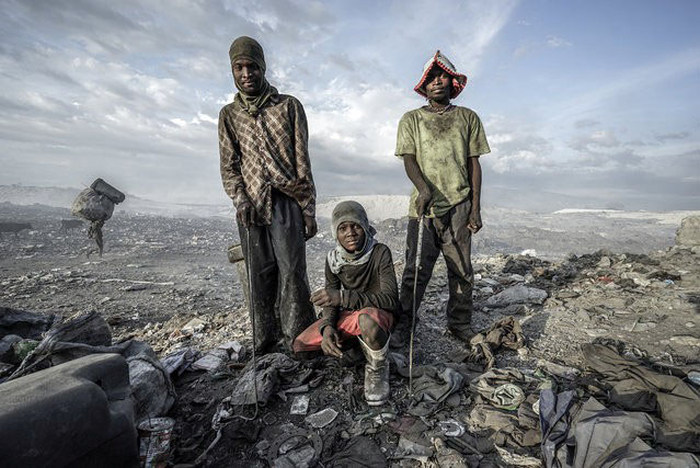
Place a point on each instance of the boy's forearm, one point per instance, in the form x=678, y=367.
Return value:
x=474, y=170
x=414, y=173
x=329, y=316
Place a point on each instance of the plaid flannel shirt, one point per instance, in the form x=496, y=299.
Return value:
x=264, y=152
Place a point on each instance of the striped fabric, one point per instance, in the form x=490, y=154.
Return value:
x=264, y=152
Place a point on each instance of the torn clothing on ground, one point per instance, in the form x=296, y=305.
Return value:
x=358, y=452
x=637, y=388
x=555, y=421
x=503, y=410
x=506, y=428
x=431, y=385
x=270, y=371
x=606, y=438
x=506, y=333
x=492, y=386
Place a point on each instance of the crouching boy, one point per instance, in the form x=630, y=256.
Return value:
x=358, y=300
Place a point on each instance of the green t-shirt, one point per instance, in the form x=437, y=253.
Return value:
x=442, y=143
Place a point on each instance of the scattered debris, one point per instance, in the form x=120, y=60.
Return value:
x=322, y=418
x=194, y=312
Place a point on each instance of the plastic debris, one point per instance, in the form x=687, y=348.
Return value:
x=300, y=405
x=322, y=418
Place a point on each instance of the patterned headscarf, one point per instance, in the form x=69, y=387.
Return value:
x=339, y=257
x=459, y=81
x=249, y=48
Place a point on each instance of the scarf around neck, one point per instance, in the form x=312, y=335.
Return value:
x=253, y=104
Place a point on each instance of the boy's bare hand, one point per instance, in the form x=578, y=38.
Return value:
x=423, y=202
x=310, y=227
x=245, y=213
x=330, y=344
x=326, y=297
x=474, y=224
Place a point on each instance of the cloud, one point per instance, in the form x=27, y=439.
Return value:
x=585, y=123
x=595, y=140
x=673, y=136
x=557, y=42
x=628, y=82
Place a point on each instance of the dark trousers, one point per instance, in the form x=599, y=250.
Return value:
x=447, y=234
x=280, y=302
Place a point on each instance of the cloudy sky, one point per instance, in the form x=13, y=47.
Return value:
x=596, y=100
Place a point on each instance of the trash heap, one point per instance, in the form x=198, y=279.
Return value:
x=590, y=361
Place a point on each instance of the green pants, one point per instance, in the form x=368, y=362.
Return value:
x=447, y=234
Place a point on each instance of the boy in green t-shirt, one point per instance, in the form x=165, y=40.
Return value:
x=440, y=145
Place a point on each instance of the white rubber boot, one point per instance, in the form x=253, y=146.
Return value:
x=376, y=374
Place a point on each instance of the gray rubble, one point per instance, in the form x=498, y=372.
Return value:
x=167, y=282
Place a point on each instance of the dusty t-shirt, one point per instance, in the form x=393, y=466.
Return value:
x=442, y=143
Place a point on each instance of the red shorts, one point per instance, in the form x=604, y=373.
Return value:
x=348, y=326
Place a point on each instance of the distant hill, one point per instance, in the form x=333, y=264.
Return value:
x=62, y=197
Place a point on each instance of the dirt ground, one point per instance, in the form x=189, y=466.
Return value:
x=157, y=274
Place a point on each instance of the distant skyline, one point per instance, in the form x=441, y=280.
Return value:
x=592, y=100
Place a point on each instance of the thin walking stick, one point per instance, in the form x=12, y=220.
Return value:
x=419, y=252
x=252, y=319
x=217, y=425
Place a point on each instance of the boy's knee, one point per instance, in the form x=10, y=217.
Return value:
x=368, y=326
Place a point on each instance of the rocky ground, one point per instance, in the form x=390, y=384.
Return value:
x=167, y=281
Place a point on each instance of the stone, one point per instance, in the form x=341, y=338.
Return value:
x=193, y=326
x=686, y=340
x=688, y=234
x=518, y=294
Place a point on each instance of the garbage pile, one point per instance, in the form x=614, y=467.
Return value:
x=30, y=342
x=601, y=346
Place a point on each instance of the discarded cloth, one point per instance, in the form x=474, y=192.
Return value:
x=504, y=407
x=360, y=452
x=606, y=438
x=505, y=333
x=504, y=388
x=638, y=388
x=506, y=427
x=268, y=373
x=555, y=421
x=432, y=385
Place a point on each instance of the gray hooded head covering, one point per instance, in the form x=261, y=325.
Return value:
x=249, y=48
x=354, y=212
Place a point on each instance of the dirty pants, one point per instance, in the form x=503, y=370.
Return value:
x=277, y=270
x=447, y=234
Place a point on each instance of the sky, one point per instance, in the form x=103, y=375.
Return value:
x=594, y=101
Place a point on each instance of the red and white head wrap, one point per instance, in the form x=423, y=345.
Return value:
x=459, y=81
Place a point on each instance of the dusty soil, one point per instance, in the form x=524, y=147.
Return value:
x=159, y=273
